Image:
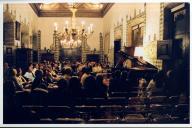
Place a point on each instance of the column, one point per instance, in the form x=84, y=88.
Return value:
x=56, y=46
x=161, y=29
x=101, y=48
x=83, y=52
x=39, y=45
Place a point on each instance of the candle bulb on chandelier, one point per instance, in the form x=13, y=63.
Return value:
x=82, y=24
x=67, y=22
x=91, y=27
x=55, y=26
x=78, y=31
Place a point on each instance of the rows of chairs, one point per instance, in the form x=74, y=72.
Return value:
x=155, y=109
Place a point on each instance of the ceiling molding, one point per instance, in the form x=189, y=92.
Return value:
x=35, y=8
x=106, y=9
x=66, y=12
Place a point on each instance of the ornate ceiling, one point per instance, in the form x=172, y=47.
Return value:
x=63, y=9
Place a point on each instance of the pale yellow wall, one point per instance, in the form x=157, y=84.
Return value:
x=152, y=34
x=152, y=22
x=26, y=13
x=118, y=13
x=46, y=25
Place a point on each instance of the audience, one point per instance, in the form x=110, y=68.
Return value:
x=61, y=83
x=88, y=78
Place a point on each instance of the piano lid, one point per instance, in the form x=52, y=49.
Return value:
x=139, y=64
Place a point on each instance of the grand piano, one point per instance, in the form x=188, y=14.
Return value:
x=136, y=66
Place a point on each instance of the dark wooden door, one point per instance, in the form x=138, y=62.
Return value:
x=117, y=48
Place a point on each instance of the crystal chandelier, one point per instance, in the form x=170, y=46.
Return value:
x=72, y=35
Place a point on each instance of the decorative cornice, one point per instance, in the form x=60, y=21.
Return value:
x=35, y=8
x=66, y=13
x=106, y=9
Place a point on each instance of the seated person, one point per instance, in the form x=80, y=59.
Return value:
x=102, y=89
x=47, y=76
x=12, y=80
x=115, y=81
x=90, y=87
x=61, y=94
x=62, y=87
x=124, y=83
x=36, y=67
x=29, y=74
x=156, y=84
x=53, y=74
x=75, y=87
x=97, y=68
x=39, y=81
x=142, y=88
x=21, y=80
x=85, y=74
x=67, y=73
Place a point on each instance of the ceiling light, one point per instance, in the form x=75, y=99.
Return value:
x=72, y=35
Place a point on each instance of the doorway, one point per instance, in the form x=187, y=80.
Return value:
x=117, y=48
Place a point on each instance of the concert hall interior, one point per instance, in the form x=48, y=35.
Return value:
x=96, y=63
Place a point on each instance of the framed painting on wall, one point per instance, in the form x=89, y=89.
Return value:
x=17, y=30
x=137, y=34
x=164, y=49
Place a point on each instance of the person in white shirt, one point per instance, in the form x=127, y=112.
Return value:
x=29, y=74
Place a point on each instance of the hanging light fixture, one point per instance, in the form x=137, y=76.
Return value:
x=72, y=34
